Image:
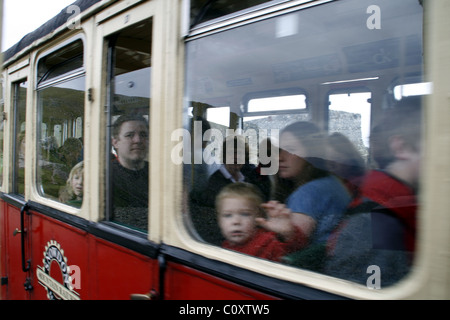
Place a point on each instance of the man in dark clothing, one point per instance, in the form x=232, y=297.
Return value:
x=130, y=186
x=130, y=171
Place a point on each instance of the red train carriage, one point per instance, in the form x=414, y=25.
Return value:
x=78, y=223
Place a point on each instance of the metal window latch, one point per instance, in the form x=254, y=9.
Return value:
x=152, y=295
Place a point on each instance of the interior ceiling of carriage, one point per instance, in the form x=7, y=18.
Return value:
x=321, y=48
x=133, y=48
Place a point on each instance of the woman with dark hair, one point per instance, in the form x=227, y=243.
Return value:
x=316, y=197
x=345, y=161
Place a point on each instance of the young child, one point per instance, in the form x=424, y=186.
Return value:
x=240, y=213
x=72, y=192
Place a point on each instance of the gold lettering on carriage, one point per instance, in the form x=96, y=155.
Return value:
x=55, y=289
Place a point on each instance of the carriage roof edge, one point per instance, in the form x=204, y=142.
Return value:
x=45, y=29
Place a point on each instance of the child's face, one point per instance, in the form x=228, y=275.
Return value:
x=237, y=219
x=77, y=183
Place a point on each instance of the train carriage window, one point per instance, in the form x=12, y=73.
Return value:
x=205, y=10
x=347, y=60
x=296, y=102
x=219, y=115
x=412, y=89
x=61, y=96
x=349, y=114
x=128, y=101
x=19, y=105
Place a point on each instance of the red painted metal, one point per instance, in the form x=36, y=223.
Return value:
x=187, y=283
x=98, y=268
x=107, y=271
x=11, y=263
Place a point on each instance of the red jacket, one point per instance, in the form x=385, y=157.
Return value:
x=393, y=197
x=266, y=245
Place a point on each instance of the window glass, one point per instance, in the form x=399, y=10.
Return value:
x=349, y=114
x=319, y=156
x=128, y=84
x=277, y=103
x=204, y=10
x=412, y=89
x=60, y=125
x=67, y=60
x=219, y=115
x=20, y=98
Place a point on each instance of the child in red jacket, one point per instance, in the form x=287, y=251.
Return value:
x=240, y=212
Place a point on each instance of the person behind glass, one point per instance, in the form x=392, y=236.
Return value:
x=317, y=198
x=381, y=231
x=345, y=161
x=197, y=174
x=130, y=168
x=255, y=174
x=69, y=154
x=70, y=151
x=72, y=192
x=235, y=153
x=239, y=210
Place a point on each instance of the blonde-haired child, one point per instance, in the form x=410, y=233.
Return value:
x=240, y=214
x=72, y=192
